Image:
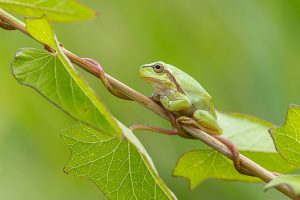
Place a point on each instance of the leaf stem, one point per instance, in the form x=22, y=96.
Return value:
x=250, y=165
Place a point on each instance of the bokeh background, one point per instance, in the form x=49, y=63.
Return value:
x=245, y=53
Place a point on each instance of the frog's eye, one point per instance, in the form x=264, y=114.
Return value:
x=158, y=68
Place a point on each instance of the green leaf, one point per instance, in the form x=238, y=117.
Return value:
x=250, y=135
x=292, y=181
x=201, y=165
x=106, y=152
x=41, y=30
x=117, y=167
x=54, y=76
x=56, y=10
x=287, y=137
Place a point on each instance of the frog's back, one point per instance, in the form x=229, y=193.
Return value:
x=193, y=90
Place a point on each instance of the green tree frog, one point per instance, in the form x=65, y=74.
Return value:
x=181, y=94
x=184, y=97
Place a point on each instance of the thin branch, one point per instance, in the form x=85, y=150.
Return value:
x=125, y=90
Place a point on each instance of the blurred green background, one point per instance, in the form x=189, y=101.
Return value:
x=245, y=53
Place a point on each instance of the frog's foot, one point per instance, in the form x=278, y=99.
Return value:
x=193, y=122
x=187, y=121
x=235, y=155
x=154, y=129
x=155, y=97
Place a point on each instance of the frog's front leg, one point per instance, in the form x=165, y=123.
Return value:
x=206, y=120
x=175, y=101
x=155, y=97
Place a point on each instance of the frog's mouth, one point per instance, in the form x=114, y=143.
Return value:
x=149, y=79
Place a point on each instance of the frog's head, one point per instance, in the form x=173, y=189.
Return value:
x=157, y=74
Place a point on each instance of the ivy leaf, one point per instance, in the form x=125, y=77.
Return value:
x=104, y=150
x=287, y=137
x=56, y=10
x=55, y=78
x=53, y=75
x=250, y=135
x=292, y=181
x=116, y=166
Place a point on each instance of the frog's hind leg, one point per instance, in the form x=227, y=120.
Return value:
x=191, y=121
x=206, y=120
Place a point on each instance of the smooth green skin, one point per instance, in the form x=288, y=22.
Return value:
x=182, y=94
